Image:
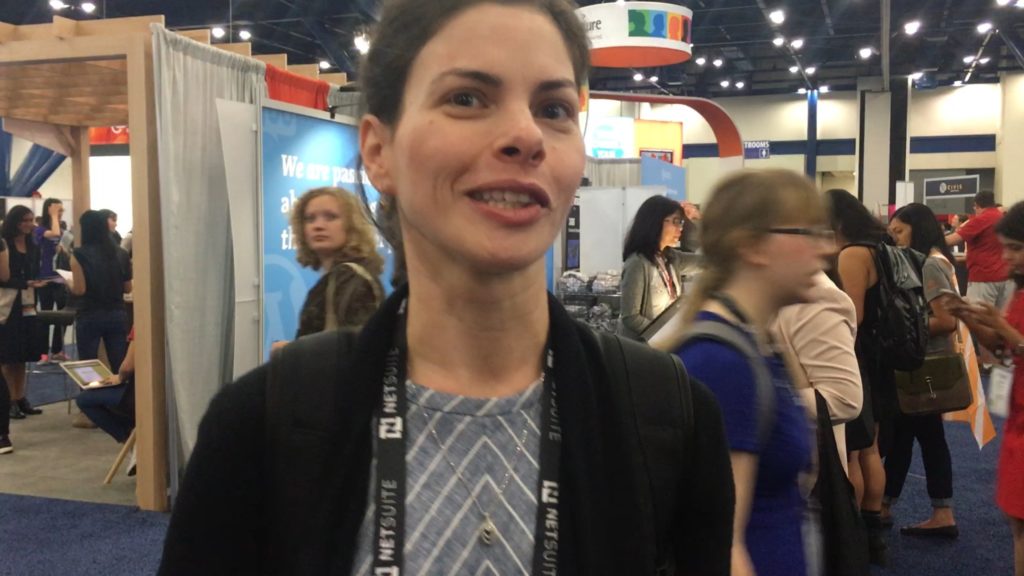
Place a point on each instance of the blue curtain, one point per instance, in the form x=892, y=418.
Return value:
x=5, y=162
x=39, y=164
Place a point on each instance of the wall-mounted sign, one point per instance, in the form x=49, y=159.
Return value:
x=663, y=155
x=610, y=138
x=951, y=187
x=108, y=135
x=637, y=34
x=757, y=150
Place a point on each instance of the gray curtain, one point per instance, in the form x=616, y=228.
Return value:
x=613, y=173
x=198, y=282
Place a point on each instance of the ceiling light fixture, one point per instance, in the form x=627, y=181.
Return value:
x=638, y=77
x=57, y=5
x=797, y=44
x=218, y=32
x=701, y=61
x=911, y=28
x=824, y=89
x=1019, y=4
x=1003, y=2
x=984, y=27
x=968, y=59
x=741, y=84
x=810, y=70
x=779, y=41
x=324, y=64
x=794, y=69
x=802, y=91
x=245, y=35
x=917, y=75
x=777, y=16
x=958, y=83
x=362, y=43
x=88, y=7
x=985, y=60
x=717, y=62
x=653, y=79
x=866, y=53
x=724, y=83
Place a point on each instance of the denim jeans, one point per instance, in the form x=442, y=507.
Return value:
x=101, y=406
x=109, y=325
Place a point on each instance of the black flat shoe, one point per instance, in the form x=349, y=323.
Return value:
x=16, y=413
x=27, y=408
x=947, y=532
x=887, y=521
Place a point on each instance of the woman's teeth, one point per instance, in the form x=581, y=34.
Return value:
x=503, y=199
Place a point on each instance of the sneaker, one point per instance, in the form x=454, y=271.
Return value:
x=27, y=408
x=43, y=360
x=5, y=445
x=131, y=463
x=59, y=357
x=80, y=420
x=16, y=413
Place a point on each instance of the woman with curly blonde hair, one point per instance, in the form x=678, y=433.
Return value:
x=333, y=235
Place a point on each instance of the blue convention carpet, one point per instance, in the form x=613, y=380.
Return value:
x=985, y=546
x=43, y=536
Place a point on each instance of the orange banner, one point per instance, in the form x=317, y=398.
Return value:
x=108, y=135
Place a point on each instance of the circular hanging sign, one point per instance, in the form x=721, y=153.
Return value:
x=637, y=34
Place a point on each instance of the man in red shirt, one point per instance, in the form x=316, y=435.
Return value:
x=987, y=277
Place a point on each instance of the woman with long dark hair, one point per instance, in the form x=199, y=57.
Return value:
x=652, y=271
x=101, y=274
x=21, y=338
x=54, y=295
x=915, y=226
x=1005, y=334
x=858, y=233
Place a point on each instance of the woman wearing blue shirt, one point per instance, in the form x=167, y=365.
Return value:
x=764, y=241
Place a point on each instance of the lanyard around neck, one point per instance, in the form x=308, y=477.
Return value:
x=390, y=492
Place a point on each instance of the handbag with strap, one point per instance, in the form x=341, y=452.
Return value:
x=7, y=298
x=940, y=385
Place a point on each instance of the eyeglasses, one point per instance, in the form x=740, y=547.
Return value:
x=677, y=222
x=823, y=234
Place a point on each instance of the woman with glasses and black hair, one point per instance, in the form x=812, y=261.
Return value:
x=653, y=269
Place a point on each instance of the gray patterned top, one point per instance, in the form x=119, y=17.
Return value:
x=442, y=522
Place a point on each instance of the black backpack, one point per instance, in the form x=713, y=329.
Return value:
x=317, y=360
x=901, y=332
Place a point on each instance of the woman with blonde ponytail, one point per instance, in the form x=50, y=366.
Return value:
x=764, y=241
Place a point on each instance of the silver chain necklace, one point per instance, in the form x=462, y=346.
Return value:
x=487, y=530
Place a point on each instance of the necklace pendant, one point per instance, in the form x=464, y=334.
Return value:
x=488, y=531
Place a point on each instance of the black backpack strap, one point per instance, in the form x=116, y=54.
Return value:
x=661, y=410
x=732, y=336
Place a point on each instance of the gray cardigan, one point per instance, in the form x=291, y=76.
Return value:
x=644, y=293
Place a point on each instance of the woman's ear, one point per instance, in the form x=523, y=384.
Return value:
x=754, y=252
x=375, y=149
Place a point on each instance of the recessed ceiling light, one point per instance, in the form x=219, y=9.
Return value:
x=638, y=77
x=654, y=79
x=794, y=69
x=866, y=53
x=717, y=62
x=779, y=41
x=724, y=83
x=777, y=16
x=985, y=60
x=245, y=35
x=362, y=43
x=968, y=59
x=917, y=75
x=741, y=84
x=802, y=91
x=88, y=7
x=958, y=83
x=984, y=27
x=218, y=32
x=324, y=64
x=824, y=89
x=1003, y=2
x=797, y=44
x=810, y=70
x=701, y=61
x=57, y=5
x=911, y=28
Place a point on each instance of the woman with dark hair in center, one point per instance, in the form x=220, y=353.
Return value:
x=102, y=274
x=653, y=268
x=858, y=233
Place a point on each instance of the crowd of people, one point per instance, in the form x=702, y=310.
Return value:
x=465, y=423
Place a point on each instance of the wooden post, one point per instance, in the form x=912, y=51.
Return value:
x=80, y=194
x=150, y=325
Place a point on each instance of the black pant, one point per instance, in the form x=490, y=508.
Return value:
x=54, y=296
x=938, y=466
x=5, y=407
